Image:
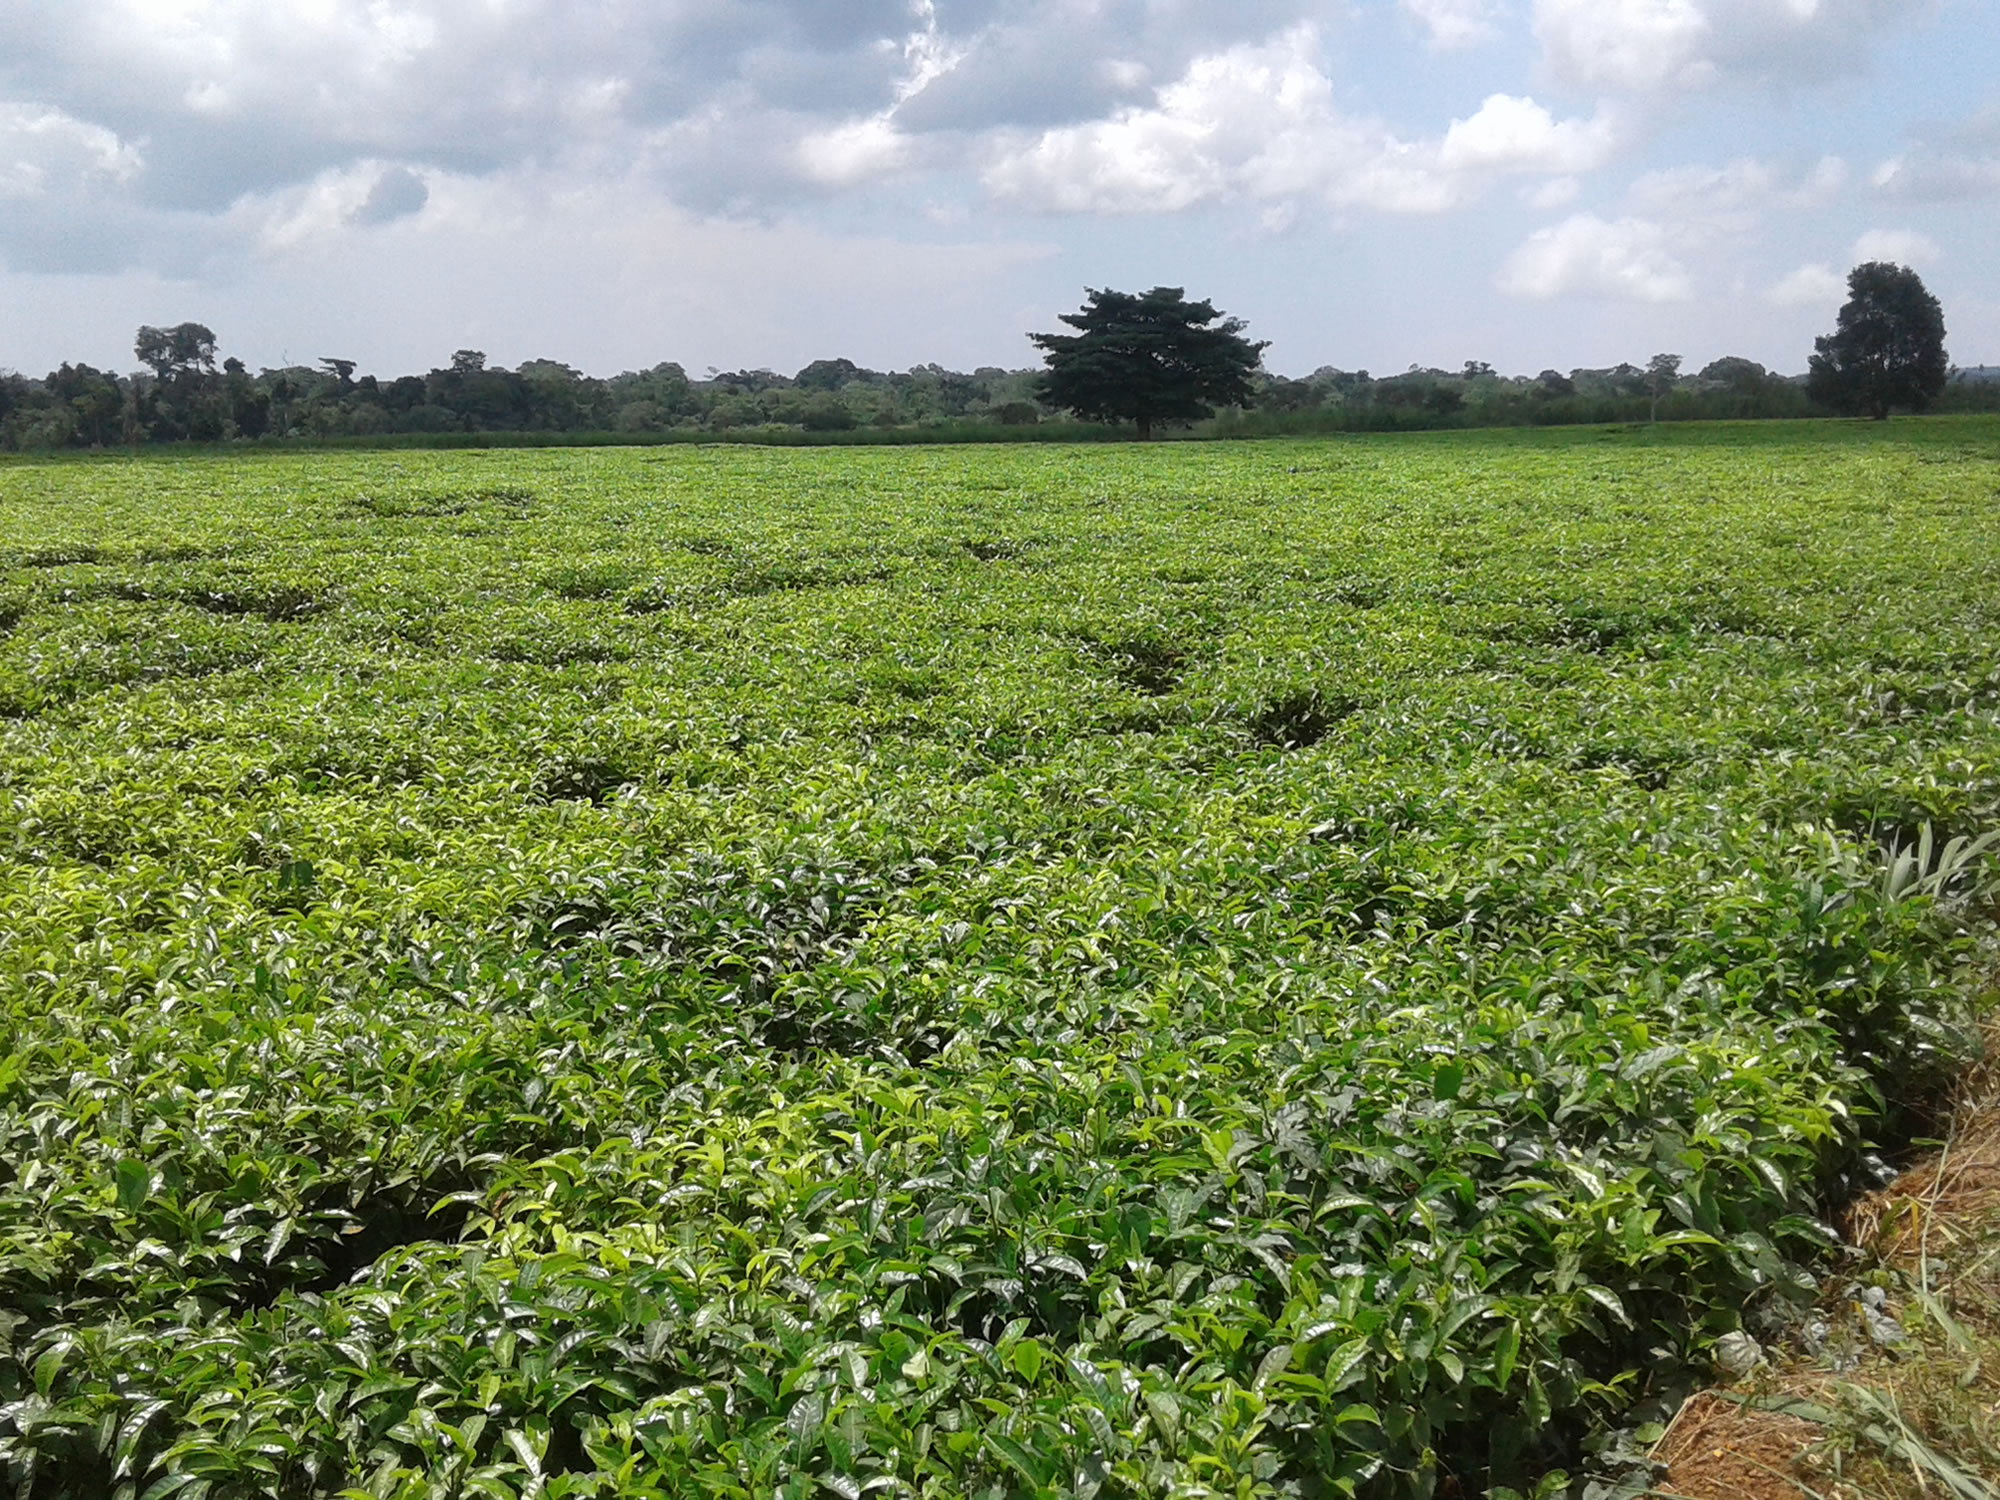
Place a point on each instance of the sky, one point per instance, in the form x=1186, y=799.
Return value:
x=759, y=183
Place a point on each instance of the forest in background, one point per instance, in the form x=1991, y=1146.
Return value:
x=187, y=394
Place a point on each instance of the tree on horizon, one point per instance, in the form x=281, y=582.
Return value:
x=1147, y=358
x=1887, y=347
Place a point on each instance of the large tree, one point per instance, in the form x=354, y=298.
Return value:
x=178, y=353
x=184, y=402
x=1147, y=358
x=1886, y=349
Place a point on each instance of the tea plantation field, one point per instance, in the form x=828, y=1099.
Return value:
x=1191, y=970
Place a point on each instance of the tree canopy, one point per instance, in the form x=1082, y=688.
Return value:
x=1662, y=372
x=1887, y=347
x=175, y=353
x=1147, y=358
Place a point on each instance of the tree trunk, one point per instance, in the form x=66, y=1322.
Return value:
x=1145, y=429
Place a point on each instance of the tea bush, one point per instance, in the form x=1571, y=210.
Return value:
x=1303, y=969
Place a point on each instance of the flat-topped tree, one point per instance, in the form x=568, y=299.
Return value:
x=178, y=353
x=183, y=402
x=1148, y=358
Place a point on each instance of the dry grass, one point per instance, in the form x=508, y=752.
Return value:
x=1917, y=1421
x=1721, y=1448
x=1935, y=1222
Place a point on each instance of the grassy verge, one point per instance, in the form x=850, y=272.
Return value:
x=1892, y=1392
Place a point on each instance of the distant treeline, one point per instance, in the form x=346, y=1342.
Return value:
x=185, y=394
x=1729, y=389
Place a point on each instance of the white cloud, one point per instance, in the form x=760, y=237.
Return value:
x=1125, y=74
x=929, y=53
x=1455, y=23
x=43, y=149
x=1625, y=260
x=1647, y=45
x=1142, y=161
x=1706, y=193
x=1255, y=119
x=1928, y=176
x=1557, y=192
x=855, y=152
x=1263, y=122
x=1828, y=176
x=241, y=96
x=1512, y=134
x=1904, y=246
x=874, y=146
x=1705, y=202
x=606, y=276
x=250, y=140
x=237, y=58
x=1814, y=285
x=363, y=193
x=1627, y=44
x=1676, y=221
